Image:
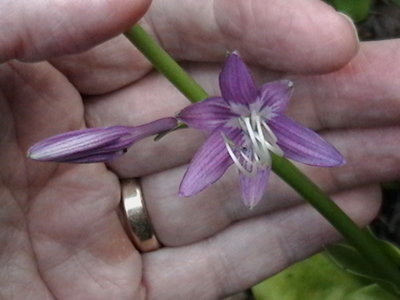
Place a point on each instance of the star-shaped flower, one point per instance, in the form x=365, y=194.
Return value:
x=246, y=125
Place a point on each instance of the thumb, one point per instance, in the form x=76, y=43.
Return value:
x=34, y=30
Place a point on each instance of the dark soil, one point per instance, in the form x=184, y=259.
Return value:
x=383, y=22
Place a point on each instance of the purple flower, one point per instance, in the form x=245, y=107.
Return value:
x=95, y=144
x=246, y=125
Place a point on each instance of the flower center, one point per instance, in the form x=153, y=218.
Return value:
x=260, y=140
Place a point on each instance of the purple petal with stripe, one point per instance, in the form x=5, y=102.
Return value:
x=206, y=115
x=95, y=144
x=59, y=147
x=254, y=187
x=152, y=128
x=209, y=163
x=304, y=145
x=276, y=95
x=236, y=83
x=94, y=158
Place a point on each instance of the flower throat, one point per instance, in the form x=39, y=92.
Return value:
x=259, y=141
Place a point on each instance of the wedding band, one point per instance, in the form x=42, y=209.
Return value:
x=135, y=217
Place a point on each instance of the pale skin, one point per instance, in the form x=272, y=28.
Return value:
x=60, y=236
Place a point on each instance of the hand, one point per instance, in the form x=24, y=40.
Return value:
x=60, y=234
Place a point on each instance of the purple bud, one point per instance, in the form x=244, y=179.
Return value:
x=95, y=144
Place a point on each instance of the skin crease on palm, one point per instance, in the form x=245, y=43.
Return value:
x=60, y=235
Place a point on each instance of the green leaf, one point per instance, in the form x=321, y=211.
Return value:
x=370, y=292
x=349, y=259
x=392, y=251
x=358, y=10
x=318, y=278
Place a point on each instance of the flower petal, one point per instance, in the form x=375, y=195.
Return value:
x=95, y=144
x=206, y=115
x=253, y=187
x=209, y=163
x=94, y=158
x=152, y=128
x=275, y=95
x=236, y=83
x=304, y=145
x=61, y=146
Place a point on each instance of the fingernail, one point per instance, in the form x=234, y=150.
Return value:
x=350, y=20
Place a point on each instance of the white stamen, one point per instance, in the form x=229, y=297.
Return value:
x=265, y=145
x=271, y=134
x=251, y=163
x=277, y=150
x=260, y=141
x=250, y=131
x=236, y=159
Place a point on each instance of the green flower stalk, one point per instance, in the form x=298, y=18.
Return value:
x=369, y=247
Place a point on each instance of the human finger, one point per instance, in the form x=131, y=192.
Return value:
x=349, y=98
x=33, y=96
x=38, y=29
x=365, y=93
x=207, y=29
x=249, y=251
x=180, y=221
x=56, y=220
x=272, y=34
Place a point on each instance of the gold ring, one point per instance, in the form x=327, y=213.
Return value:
x=135, y=217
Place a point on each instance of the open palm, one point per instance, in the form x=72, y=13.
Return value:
x=60, y=235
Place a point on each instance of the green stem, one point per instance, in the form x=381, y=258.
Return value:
x=362, y=241
x=165, y=64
